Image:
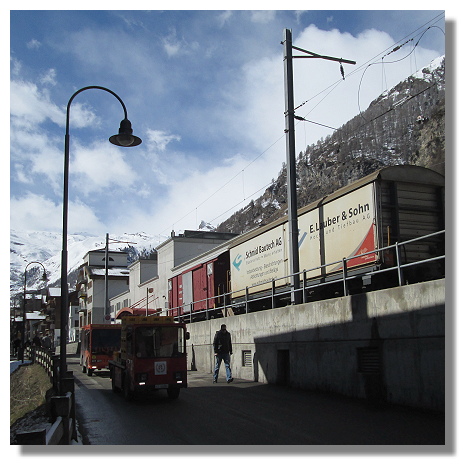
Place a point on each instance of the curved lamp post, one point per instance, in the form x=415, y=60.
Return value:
x=23, y=328
x=124, y=138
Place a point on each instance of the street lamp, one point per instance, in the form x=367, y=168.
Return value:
x=124, y=138
x=23, y=327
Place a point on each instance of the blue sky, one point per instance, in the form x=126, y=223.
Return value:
x=205, y=92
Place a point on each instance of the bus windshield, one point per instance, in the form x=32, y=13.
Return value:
x=105, y=341
x=158, y=341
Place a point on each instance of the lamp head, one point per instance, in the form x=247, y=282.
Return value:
x=125, y=137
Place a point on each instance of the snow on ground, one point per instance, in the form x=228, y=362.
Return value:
x=15, y=364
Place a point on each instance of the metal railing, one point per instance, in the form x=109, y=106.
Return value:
x=282, y=285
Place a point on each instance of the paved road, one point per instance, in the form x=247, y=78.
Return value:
x=243, y=413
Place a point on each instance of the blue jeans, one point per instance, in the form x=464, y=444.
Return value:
x=218, y=359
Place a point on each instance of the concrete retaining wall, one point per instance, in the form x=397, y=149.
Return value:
x=386, y=345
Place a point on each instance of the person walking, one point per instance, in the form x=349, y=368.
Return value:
x=46, y=342
x=222, y=350
x=36, y=340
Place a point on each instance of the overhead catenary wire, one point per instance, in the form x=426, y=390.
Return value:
x=328, y=89
x=360, y=67
x=395, y=49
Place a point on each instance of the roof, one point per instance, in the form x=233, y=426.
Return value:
x=114, y=271
x=54, y=291
x=31, y=316
x=129, y=311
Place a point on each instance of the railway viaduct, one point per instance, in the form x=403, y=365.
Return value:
x=386, y=346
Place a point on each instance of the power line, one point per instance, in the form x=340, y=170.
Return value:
x=331, y=88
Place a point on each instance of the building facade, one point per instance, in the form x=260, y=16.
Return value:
x=148, y=279
x=91, y=284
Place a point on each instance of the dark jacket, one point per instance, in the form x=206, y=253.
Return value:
x=222, y=342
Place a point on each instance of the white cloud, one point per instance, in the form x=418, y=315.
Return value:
x=35, y=212
x=48, y=78
x=32, y=105
x=194, y=195
x=100, y=167
x=33, y=44
x=175, y=46
x=262, y=16
x=160, y=139
x=224, y=17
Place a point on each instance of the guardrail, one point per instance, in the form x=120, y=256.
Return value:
x=282, y=285
x=62, y=408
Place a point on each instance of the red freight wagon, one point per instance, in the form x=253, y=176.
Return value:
x=200, y=289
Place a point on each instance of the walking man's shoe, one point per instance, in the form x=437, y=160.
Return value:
x=230, y=380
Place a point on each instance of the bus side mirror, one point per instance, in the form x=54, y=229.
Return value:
x=187, y=335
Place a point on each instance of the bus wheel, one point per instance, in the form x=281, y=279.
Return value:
x=173, y=392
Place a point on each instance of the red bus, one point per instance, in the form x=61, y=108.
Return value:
x=98, y=343
x=152, y=357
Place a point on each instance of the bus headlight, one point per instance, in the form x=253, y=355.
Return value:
x=142, y=378
x=179, y=377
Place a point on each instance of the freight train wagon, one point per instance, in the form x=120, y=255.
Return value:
x=391, y=205
x=200, y=285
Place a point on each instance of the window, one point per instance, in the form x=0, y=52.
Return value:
x=157, y=341
x=368, y=360
x=105, y=341
x=247, y=360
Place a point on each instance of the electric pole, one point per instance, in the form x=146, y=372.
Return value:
x=290, y=150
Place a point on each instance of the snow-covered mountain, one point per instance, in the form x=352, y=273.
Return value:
x=404, y=125
x=46, y=247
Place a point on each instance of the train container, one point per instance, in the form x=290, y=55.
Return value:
x=201, y=287
x=356, y=222
x=391, y=205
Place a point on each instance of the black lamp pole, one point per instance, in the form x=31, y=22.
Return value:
x=123, y=139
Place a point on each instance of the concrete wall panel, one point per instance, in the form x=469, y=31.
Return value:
x=317, y=345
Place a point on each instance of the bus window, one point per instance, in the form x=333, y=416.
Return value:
x=106, y=341
x=159, y=342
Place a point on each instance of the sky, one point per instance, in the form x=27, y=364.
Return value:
x=204, y=90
